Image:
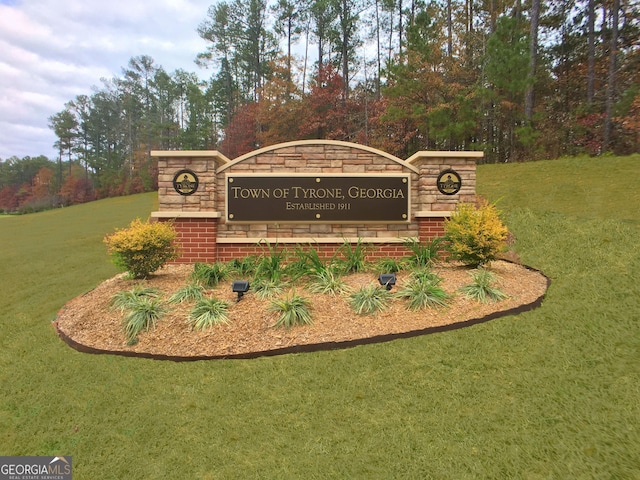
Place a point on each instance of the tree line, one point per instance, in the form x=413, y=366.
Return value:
x=516, y=79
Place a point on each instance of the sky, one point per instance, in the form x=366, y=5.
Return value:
x=54, y=50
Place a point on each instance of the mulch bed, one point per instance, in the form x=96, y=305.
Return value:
x=88, y=323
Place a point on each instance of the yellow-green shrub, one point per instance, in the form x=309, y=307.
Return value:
x=143, y=247
x=476, y=235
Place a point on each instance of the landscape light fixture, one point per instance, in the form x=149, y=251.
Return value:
x=240, y=287
x=387, y=280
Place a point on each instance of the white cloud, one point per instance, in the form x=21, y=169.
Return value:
x=53, y=50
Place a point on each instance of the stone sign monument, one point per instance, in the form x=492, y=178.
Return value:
x=318, y=192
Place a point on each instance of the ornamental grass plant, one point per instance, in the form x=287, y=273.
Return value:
x=267, y=287
x=353, y=257
x=142, y=307
x=142, y=314
x=369, y=299
x=243, y=267
x=292, y=310
x=271, y=265
x=210, y=274
x=208, y=312
x=390, y=265
x=192, y=291
x=422, y=290
x=424, y=254
x=482, y=287
x=327, y=282
x=127, y=298
x=307, y=262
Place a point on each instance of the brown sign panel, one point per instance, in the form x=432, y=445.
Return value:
x=318, y=198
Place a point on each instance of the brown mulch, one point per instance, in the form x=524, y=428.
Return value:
x=88, y=323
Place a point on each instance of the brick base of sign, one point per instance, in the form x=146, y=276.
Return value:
x=229, y=251
x=430, y=228
x=198, y=240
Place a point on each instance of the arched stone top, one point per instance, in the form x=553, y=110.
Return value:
x=302, y=143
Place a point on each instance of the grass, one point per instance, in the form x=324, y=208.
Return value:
x=601, y=187
x=551, y=393
x=267, y=288
x=143, y=308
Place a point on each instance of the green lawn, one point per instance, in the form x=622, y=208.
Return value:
x=550, y=394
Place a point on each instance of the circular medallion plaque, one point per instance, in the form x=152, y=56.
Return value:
x=449, y=182
x=185, y=182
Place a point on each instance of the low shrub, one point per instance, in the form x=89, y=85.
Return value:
x=475, y=235
x=143, y=248
x=40, y=204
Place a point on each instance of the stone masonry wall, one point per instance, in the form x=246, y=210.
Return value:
x=206, y=236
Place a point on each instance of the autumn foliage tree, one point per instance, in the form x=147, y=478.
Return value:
x=77, y=188
x=241, y=135
x=280, y=107
x=517, y=80
x=325, y=109
x=9, y=201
